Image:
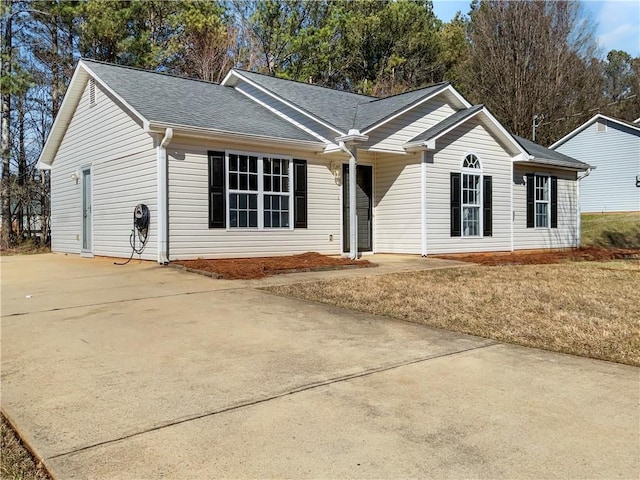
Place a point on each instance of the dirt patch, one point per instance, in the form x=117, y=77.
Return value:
x=547, y=257
x=248, y=268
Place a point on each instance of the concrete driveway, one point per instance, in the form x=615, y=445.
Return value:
x=146, y=372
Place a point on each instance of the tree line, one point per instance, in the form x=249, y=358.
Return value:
x=521, y=59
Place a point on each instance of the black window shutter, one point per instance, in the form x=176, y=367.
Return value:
x=554, y=202
x=487, y=201
x=531, y=195
x=217, y=213
x=456, y=199
x=299, y=193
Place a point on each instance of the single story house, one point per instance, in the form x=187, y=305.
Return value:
x=612, y=146
x=259, y=166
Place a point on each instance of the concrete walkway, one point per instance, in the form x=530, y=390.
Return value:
x=145, y=372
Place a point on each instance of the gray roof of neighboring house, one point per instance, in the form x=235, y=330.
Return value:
x=376, y=110
x=451, y=121
x=193, y=103
x=549, y=157
x=335, y=107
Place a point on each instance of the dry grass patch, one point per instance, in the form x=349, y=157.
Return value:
x=16, y=462
x=576, y=308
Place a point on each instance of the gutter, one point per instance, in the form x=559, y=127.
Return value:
x=228, y=136
x=163, y=211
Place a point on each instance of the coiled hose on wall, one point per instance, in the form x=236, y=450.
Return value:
x=139, y=232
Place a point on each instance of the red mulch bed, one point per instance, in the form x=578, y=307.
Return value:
x=248, y=268
x=546, y=257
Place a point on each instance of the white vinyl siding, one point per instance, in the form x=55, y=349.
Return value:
x=394, y=134
x=535, y=238
x=615, y=153
x=118, y=186
x=470, y=137
x=397, y=203
x=122, y=158
x=190, y=236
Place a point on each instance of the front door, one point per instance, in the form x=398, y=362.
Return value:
x=364, y=207
x=86, y=211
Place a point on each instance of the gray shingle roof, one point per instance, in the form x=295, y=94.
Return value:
x=451, y=121
x=193, y=103
x=335, y=107
x=375, y=111
x=549, y=157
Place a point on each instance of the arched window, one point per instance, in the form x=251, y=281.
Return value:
x=471, y=200
x=471, y=161
x=471, y=196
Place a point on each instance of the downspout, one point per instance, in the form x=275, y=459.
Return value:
x=353, y=218
x=423, y=203
x=163, y=212
x=578, y=210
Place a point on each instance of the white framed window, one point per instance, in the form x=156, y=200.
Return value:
x=258, y=191
x=471, y=196
x=542, y=201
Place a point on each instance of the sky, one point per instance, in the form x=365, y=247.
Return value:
x=618, y=21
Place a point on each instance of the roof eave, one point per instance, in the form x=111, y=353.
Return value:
x=230, y=81
x=186, y=130
x=82, y=74
x=60, y=123
x=589, y=122
x=426, y=98
x=546, y=163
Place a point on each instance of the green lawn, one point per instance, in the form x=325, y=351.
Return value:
x=619, y=230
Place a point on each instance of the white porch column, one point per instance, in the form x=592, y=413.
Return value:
x=348, y=144
x=353, y=214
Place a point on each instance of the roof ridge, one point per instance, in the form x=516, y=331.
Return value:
x=304, y=83
x=144, y=70
x=377, y=99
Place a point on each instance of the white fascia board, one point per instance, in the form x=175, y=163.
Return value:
x=623, y=124
x=547, y=166
x=228, y=80
x=431, y=143
x=188, y=131
x=459, y=96
x=448, y=88
x=596, y=117
x=352, y=137
x=637, y=120
x=283, y=116
x=504, y=131
x=575, y=132
x=68, y=106
x=522, y=157
x=280, y=99
x=61, y=122
x=331, y=148
x=112, y=92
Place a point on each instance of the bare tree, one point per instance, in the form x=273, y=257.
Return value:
x=208, y=52
x=532, y=58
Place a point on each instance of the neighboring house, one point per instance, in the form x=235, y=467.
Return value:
x=612, y=147
x=264, y=166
